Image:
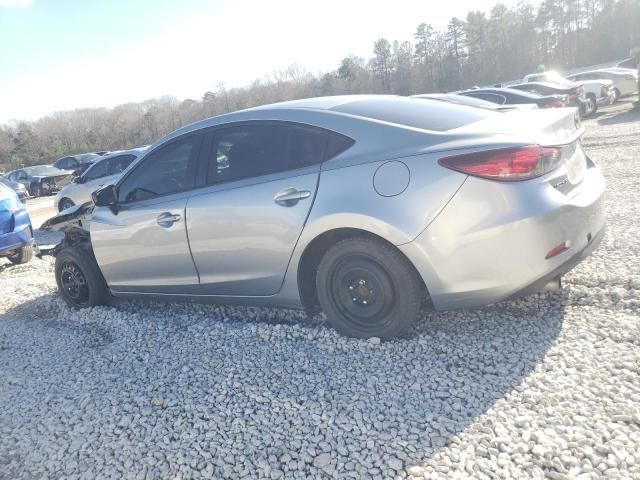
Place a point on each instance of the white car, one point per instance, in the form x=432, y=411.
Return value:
x=597, y=92
x=625, y=81
x=103, y=172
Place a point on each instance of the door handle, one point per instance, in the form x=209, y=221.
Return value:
x=167, y=219
x=290, y=196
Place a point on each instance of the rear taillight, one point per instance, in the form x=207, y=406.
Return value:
x=554, y=104
x=506, y=164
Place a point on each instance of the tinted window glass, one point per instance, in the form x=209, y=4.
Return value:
x=120, y=163
x=307, y=146
x=247, y=151
x=337, y=145
x=169, y=169
x=415, y=112
x=489, y=97
x=101, y=169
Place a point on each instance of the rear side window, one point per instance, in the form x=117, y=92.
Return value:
x=247, y=151
x=415, y=112
x=306, y=146
x=337, y=145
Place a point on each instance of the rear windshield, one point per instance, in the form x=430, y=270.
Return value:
x=523, y=93
x=420, y=113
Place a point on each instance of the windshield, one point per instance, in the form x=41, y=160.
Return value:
x=43, y=170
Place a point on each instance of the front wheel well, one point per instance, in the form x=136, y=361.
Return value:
x=312, y=255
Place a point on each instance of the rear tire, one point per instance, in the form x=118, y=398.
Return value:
x=24, y=255
x=367, y=288
x=79, y=279
x=592, y=104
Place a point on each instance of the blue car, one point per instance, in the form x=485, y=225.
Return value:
x=16, y=233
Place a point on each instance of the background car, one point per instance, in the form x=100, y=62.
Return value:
x=77, y=163
x=16, y=233
x=104, y=171
x=360, y=206
x=574, y=93
x=471, y=101
x=506, y=96
x=596, y=92
x=41, y=179
x=624, y=82
x=17, y=187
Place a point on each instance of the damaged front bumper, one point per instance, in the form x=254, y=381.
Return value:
x=74, y=222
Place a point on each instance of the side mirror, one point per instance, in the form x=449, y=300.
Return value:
x=106, y=196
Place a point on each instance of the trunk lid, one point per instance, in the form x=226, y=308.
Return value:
x=548, y=127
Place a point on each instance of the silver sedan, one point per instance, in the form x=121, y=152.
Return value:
x=105, y=171
x=364, y=207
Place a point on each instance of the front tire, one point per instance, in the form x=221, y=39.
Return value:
x=367, y=288
x=79, y=279
x=24, y=255
x=65, y=203
x=36, y=190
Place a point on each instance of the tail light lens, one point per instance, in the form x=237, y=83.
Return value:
x=506, y=164
x=554, y=104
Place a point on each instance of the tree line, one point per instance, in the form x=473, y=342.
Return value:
x=481, y=49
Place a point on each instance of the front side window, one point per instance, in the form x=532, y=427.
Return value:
x=99, y=170
x=169, y=169
x=120, y=163
x=247, y=151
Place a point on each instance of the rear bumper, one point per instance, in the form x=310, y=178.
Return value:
x=490, y=242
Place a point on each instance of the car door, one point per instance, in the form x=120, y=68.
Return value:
x=141, y=244
x=243, y=225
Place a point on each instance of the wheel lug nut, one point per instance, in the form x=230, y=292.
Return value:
x=350, y=287
x=362, y=282
x=364, y=302
x=354, y=299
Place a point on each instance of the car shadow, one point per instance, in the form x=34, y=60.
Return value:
x=408, y=397
x=630, y=115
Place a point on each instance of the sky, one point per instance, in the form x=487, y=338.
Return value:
x=64, y=54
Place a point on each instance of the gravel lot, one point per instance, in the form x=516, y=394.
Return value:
x=545, y=387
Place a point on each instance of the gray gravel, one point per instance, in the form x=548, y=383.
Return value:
x=545, y=387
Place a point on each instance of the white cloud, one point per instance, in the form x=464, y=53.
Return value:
x=15, y=3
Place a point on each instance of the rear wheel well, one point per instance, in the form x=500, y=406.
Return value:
x=311, y=259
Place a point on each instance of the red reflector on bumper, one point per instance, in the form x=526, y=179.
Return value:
x=558, y=249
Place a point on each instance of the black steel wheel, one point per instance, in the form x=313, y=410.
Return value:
x=79, y=279
x=367, y=288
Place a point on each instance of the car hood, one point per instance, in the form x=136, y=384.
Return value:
x=73, y=218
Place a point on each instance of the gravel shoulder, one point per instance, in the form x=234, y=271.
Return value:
x=543, y=387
